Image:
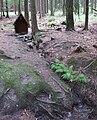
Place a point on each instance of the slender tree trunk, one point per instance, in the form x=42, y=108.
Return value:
x=95, y=4
x=91, y=6
x=15, y=7
x=51, y=4
x=26, y=11
x=47, y=6
x=78, y=8
x=63, y=7
x=86, y=15
x=43, y=8
x=7, y=14
x=40, y=8
x=1, y=9
x=19, y=7
x=56, y=2
x=69, y=15
x=33, y=17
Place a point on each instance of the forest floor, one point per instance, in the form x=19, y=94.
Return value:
x=60, y=44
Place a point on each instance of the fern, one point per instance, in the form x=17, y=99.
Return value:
x=68, y=72
x=82, y=78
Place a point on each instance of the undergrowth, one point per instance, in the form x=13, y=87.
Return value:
x=12, y=76
x=68, y=73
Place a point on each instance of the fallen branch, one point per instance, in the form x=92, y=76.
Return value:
x=66, y=90
x=48, y=102
x=50, y=114
x=89, y=64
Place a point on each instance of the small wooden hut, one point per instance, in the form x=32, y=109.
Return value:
x=21, y=25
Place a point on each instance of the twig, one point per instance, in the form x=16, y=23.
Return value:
x=60, y=85
x=89, y=64
x=46, y=110
x=48, y=102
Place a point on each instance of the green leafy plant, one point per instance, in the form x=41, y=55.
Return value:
x=68, y=72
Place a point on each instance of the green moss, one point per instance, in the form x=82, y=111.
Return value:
x=24, y=79
x=10, y=74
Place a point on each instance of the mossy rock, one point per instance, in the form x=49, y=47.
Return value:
x=20, y=85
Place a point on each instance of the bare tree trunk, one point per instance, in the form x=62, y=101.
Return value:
x=7, y=14
x=51, y=4
x=91, y=6
x=47, y=6
x=40, y=8
x=95, y=4
x=33, y=17
x=86, y=15
x=3, y=7
x=26, y=11
x=69, y=15
x=15, y=6
x=19, y=7
x=63, y=7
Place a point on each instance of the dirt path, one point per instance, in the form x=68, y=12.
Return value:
x=22, y=54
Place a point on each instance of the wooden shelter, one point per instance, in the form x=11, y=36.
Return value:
x=21, y=25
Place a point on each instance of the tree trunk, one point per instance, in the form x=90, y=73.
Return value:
x=7, y=14
x=63, y=7
x=69, y=15
x=33, y=17
x=1, y=9
x=40, y=8
x=91, y=6
x=26, y=11
x=19, y=7
x=86, y=15
x=95, y=4
x=51, y=4
x=15, y=6
x=47, y=6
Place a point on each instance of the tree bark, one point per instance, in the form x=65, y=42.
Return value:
x=33, y=17
x=7, y=14
x=15, y=7
x=19, y=7
x=86, y=15
x=95, y=4
x=51, y=4
x=26, y=11
x=91, y=6
x=63, y=7
x=69, y=15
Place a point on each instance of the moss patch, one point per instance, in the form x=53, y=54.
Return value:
x=25, y=81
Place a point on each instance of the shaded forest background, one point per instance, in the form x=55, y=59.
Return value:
x=73, y=11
